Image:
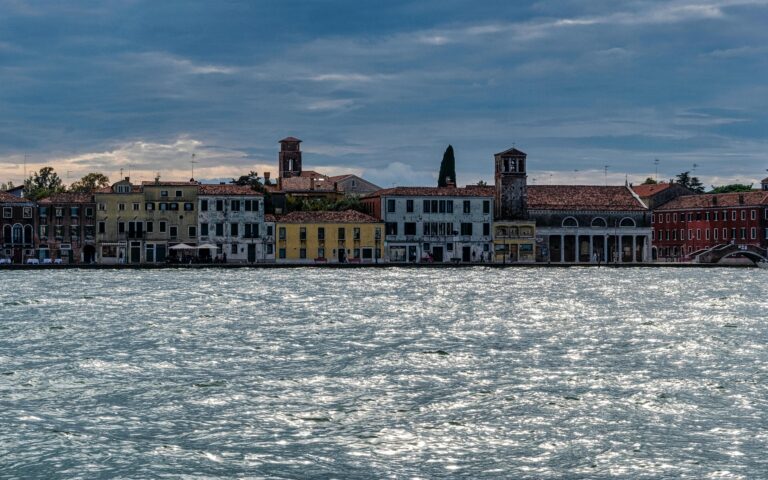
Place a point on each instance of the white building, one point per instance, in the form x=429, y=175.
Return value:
x=232, y=218
x=435, y=224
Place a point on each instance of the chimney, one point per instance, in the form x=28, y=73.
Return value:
x=449, y=183
x=127, y=179
x=311, y=183
x=266, y=178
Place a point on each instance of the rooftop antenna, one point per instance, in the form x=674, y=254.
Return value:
x=121, y=173
x=25, y=166
x=605, y=172
x=193, y=162
x=656, y=174
x=694, y=168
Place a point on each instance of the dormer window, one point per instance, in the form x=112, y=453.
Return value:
x=123, y=189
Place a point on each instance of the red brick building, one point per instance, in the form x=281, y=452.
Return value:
x=17, y=228
x=67, y=227
x=690, y=224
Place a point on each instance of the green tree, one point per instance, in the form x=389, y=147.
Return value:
x=691, y=183
x=447, y=168
x=252, y=180
x=43, y=183
x=482, y=183
x=4, y=187
x=89, y=183
x=649, y=181
x=733, y=187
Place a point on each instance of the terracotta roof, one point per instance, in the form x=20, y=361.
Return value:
x=270, y=218
x=8, y=198
x=289, y=139
x=152, y=183
x=716, y=200
x=347, y=216
x=765, y=180
x=228, y=189
x=582, y=197
x=647, y=190
x=134, y=189
x=67, y=198
x=304, y=184
x=511, y=151
x=311, y=173
x=468, y=191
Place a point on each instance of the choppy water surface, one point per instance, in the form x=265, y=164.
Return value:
x=397, y=373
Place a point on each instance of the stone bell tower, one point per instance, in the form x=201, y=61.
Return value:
x=289, y=159
x=511, y=185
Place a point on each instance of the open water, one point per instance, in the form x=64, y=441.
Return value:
x=384, y=373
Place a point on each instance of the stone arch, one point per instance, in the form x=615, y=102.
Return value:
x=599, y=222
x=570, y=222
x=627, y=222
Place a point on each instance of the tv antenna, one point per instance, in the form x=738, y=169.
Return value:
x=605, y=172
x=193, y=162
x=656, y=173
x=694, y=168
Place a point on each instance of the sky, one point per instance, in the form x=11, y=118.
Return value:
x=594, y=91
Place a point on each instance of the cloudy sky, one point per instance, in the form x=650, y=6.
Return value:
x=381, y=88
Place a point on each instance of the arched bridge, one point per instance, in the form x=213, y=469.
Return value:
x=719, y=252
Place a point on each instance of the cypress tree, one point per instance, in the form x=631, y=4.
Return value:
x=447, y=168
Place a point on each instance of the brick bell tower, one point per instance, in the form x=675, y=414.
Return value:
x=511, y=185
x=289, y=159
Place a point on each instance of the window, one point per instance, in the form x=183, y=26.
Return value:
x=121, y=206
x=706, y=216
x=178, y=193
x=690, y=234
x=150, y=227
x=174, y=231
x=342, y=234
x=486, y=229
x=302, y=253
x=102, y=207
x=321, y=233
x=281, y=253
x=203, y=229
x=426, y=207
x=135, y=207
x=235, y=205
x=743, y=232
x=233, y=249
x=281, y=234
x=270, y=230
x=698, y=234
x=303, y=234
x=600, y=222
x=753, y=232
x=753, y=215
x=409, y=206
x=192, y=231
x=466, y=229
x=356, y=233
x=219, y=229
x=102, y=227
x=467, y=206
x=234, y=229
x=486, y=207
x=59, y=212
x=390, y=205
x=725, y=234
x=204, y=205
x=733, y=214
x=743, y=214
x=173, y=206
x=706, y=234
x=123, y=189
x=409, y=228
x=163, y=193
x=378, y=234
x=570, y=222
x=120, y=227
x=189, y=206
x=7, y=212
x=674, y=218
x=149, y=206
x=162, y=206
x=163, y=227
x=219, y=205
x=627, y=222
x=321, y=252
x=391, y=228
x=714, y=231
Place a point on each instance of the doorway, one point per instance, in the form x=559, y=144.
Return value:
x=466, y=253
x=437, y=254
x=251, y=253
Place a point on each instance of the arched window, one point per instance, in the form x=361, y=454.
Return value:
x=28, y=234
x=627, y=222
x=7, y=234
x=599, y=222
x=18, y=233
x=570, y=222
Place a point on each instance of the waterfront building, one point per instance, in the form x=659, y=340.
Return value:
x=140, y=223
x=691, y=224
x=589, y=224
x=435, y=224
x=513, y=233
x=270, y=226
x=67, y=228
x=332, y=237
x=17, y=228
x=232, y=218
x=514, y=241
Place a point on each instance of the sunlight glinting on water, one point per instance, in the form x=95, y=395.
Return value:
x=384, y=373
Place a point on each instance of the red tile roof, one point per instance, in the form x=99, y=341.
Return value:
x=647, y=190
x=8, y=198
x=582, y=197
x=228, y=189
x=347, y=216
x=270, y=218
x=67, y=198
x=468, y=191
x=152, y=183
x=305, y=184
x=716, y=200
x=289, y=139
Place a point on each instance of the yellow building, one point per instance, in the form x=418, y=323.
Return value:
x=139, y=223
x=514, y=242
x=333, y=237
